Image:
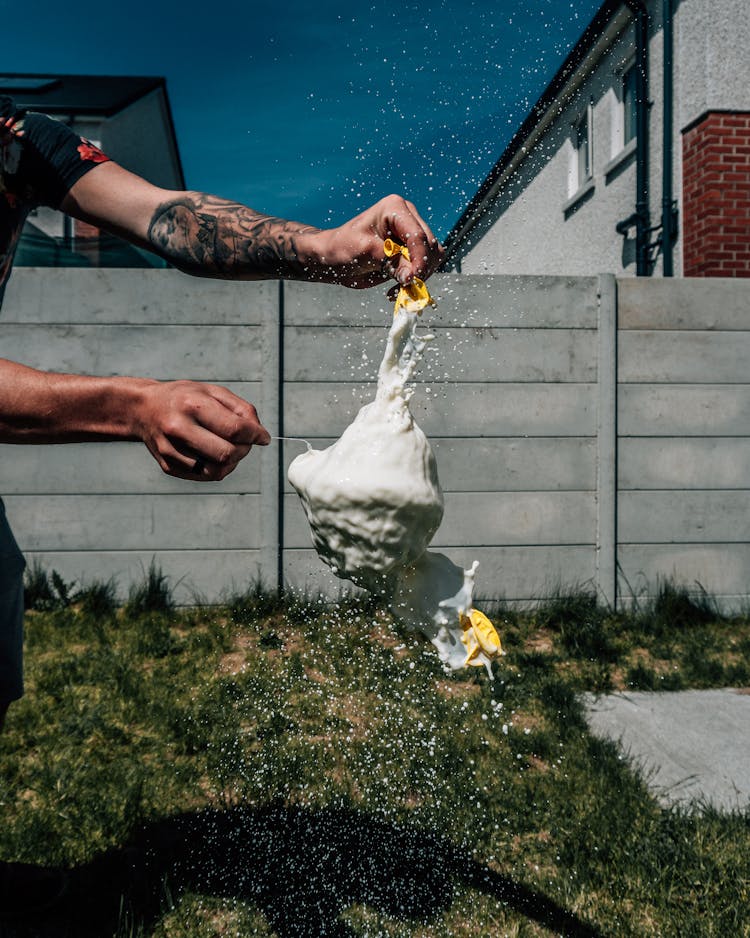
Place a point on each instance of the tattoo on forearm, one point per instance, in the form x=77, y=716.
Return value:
x=202, y=234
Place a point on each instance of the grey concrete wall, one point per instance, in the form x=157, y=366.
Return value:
x=122, y=137
x=508, y=396
x=95, y=511
x=568, y=448
x=684, y=435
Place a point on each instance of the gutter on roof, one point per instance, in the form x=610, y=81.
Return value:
x=609, y=20
x=37, y=99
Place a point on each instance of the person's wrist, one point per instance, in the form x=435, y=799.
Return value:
x=130, y=401
x=314, y=253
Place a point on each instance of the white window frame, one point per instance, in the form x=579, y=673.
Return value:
x=585, y=149
x=628, y=70
x=617, y=97
x=581, y=163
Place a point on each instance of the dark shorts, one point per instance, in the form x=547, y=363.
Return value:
x=11, y=614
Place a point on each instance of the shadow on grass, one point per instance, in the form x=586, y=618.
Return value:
x=301, y=867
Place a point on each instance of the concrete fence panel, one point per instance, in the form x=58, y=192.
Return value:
x=101, y=511
x=507, y=393
x=684, y=435
x=588, y=433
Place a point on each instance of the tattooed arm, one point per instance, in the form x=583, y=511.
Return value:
x=198, y=431
x=212, y=237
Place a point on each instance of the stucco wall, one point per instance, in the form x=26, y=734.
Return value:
x=530, y=230
x=533, y=226
x=711, y=50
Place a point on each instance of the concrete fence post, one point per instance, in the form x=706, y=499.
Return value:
x=271, y=463
x=606, y=462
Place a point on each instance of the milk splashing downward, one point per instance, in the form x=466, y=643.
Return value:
x=374, y=502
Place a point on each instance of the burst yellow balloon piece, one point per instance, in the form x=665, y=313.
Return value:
x=414, y=296
x=479, y=635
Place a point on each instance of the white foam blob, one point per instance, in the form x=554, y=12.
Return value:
x=373, y=499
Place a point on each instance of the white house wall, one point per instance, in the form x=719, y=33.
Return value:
x=526, y=229
x=530, y=230
x=712, y=43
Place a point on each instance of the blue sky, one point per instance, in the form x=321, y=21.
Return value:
x=310, y=110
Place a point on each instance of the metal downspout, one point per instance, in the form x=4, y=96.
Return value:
x=642, y=214
x=667, y=211
x=641, y=218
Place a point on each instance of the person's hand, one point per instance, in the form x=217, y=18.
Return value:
x=352, y=254
x=197, y=431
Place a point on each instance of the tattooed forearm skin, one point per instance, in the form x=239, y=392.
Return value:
x=212, y=237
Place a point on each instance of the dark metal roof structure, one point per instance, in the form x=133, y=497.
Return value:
x=101, y=95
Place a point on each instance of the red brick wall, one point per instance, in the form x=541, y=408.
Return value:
x=716, y=196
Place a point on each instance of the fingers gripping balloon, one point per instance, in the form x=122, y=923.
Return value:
x=373, y=501
x=414, y=296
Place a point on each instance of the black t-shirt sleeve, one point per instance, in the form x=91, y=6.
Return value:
x=53, y=158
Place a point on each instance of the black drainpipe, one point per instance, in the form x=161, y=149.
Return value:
x=668, y=214
x=641, y=219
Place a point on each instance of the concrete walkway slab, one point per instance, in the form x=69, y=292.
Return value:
x=693, y=746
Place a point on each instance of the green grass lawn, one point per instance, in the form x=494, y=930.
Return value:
x=280, y=768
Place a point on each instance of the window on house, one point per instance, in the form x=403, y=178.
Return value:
x=584, y=147
x=629, y=105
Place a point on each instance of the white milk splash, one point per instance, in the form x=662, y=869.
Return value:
x=373, y=501
x=373, y=498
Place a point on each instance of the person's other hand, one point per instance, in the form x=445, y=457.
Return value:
x=197, y=431
x=352, y=254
